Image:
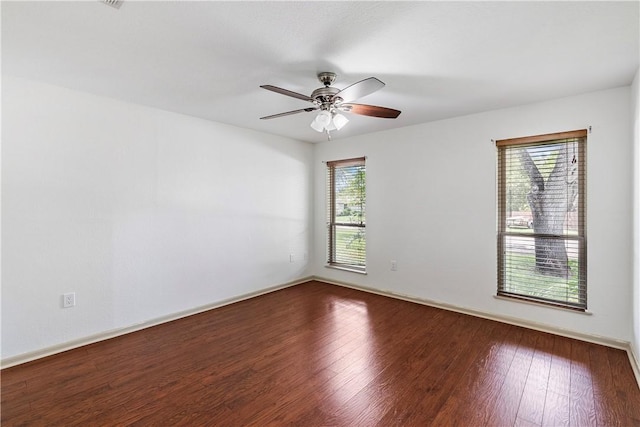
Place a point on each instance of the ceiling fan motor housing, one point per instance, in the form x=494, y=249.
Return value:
x=325, y=97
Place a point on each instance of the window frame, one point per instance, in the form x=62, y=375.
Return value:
x=332, y=223
x=580, y=137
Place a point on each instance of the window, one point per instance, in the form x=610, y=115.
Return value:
x=346, y=214
x=541, y=219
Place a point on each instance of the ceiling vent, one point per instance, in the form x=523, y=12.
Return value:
x=113, y=3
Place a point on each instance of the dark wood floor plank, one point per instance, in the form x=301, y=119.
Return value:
x=531, y=407
x=505, y=409
x=352, y=370
x=560, y=373
x=443, y=372
x=370, y=405
x=14, y=392
x=607, y=410
x=317, y=354
x=18, y=413
x=583, y=411
x=482, y=382
x=625, y=386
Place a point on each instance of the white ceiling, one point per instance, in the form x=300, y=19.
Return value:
x=438, y=59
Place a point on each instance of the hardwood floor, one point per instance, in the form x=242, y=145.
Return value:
x=317, y=354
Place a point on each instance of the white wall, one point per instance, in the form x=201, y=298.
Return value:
x=141, y=212
x=431, y=205
x=145, y=213
x=635, y=121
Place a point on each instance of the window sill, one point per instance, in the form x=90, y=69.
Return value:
x=542, y=304
x=343, y=268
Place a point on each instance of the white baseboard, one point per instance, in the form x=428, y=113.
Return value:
x=595, y=339
x=70, y=345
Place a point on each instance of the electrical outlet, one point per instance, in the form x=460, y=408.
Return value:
x=69, y=300
x=291, y=258
x=394, y=265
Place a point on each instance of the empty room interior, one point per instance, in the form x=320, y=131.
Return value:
x=320, y=213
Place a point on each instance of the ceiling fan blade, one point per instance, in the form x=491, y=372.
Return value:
x=370, y=110
x=360, y=89
x=287, y=92
x=302, y=110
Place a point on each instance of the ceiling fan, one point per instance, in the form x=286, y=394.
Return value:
x=330, y=101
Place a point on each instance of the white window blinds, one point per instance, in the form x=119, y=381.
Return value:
x=541, y=219
x=346, y=219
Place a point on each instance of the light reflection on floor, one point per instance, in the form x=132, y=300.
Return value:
x=353, y=354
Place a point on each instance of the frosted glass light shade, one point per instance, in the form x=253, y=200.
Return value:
x=339, y=121
x=315, y=125
x=322, y=121
x=324, y=118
